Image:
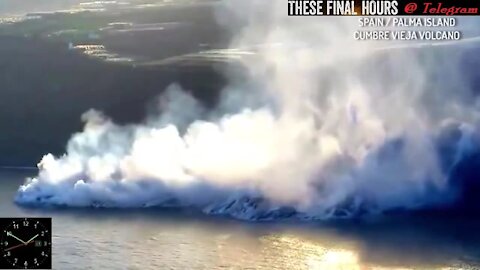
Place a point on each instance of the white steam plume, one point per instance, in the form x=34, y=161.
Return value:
x=324, y=126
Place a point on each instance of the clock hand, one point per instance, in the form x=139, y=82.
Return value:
x=17, y=246
x=31, y=239
x=23, y=243
x=10, y=234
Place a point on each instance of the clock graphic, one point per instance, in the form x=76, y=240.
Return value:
x=26, y=243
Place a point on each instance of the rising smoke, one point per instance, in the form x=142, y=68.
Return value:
x=325, y=126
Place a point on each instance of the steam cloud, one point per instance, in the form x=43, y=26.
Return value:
x=323, y=126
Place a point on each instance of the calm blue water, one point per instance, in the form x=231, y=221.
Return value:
x=85, y=239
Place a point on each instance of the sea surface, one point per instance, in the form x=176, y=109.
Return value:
x=17, y=7
x=173, y=239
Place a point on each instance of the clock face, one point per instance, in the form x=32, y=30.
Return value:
x=27, y=243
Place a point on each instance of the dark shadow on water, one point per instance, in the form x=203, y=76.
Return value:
x=415, y=240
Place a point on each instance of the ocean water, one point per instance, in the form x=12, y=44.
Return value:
x=15, y=7
x=159, y=239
